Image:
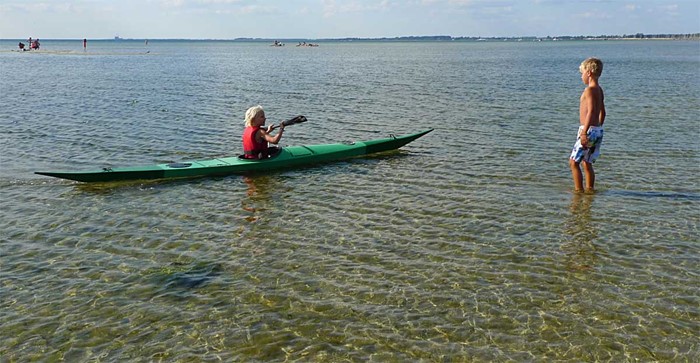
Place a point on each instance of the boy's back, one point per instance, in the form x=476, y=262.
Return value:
x=592, y=105
x=592, y=108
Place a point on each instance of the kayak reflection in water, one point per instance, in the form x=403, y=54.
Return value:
x=256, y=138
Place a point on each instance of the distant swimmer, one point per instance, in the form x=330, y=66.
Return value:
x=21, y=46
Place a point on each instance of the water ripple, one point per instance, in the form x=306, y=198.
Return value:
x=465, y=245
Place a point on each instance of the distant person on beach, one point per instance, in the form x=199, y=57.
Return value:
x=84, y=44
x=21, y=46
x=255, y=137
x=591, y=119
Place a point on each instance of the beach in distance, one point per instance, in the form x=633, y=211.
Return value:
x=467, y=244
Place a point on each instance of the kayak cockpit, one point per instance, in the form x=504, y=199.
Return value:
x=179, y=165
x=271, y=153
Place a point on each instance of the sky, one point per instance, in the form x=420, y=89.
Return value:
x=319, y=19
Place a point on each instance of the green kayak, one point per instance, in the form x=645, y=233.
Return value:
x=287, y=157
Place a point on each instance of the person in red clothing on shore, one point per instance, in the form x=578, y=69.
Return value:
x=256, y=137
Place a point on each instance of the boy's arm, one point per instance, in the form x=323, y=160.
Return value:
x=602, y=108
x=588, y=103
x=269, y=138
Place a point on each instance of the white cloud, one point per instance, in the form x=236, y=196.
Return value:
x=594, y=15
x=35, y=7
x=671, y=9
x=460, y=2
x=218, y=1
x=332, y=7
x=172, y=3
x=247, y=9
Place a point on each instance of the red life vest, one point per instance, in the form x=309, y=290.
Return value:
x=251, y=148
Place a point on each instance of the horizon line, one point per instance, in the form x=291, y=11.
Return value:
x=406, y=37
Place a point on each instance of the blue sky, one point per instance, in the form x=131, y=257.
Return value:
x=313, y=19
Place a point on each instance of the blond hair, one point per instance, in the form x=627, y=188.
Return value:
x=252, y=113
x=594, y=65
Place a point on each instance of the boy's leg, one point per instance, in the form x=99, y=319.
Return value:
x=590, y=175
x=576, y=174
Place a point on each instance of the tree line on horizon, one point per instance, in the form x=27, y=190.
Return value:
x=634, y=36
x=562, y=37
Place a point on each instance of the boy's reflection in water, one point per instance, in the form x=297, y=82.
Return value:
x=580, y=249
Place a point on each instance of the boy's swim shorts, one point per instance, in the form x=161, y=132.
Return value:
x=591, y=152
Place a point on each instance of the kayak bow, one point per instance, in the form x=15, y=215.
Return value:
x=287, y=157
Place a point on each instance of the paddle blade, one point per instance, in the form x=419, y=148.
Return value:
x=294, y=120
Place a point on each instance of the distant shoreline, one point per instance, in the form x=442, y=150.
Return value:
x=427, y=38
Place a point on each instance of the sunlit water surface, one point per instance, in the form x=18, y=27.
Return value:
x=465, y=245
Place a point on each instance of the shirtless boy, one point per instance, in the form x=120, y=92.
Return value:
x=590, y=133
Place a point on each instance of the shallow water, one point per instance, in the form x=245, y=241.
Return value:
x=465, y=245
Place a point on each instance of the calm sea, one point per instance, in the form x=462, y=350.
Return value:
x=466, y=245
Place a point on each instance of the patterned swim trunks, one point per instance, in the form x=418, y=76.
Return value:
x=591, y=152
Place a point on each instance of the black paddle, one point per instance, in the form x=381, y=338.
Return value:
x=292, y=121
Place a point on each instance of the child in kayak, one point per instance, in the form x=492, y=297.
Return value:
x=591, y=118
x=255, y=137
